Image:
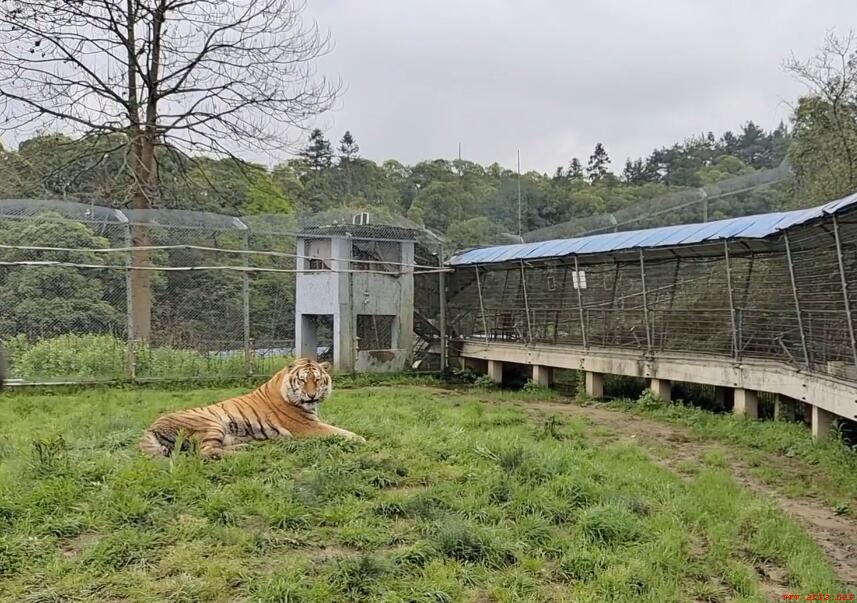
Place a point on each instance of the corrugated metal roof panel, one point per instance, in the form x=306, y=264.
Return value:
x=748, y=227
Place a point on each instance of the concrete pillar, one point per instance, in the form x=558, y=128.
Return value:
x=784, y=409
x=594, y=384
x=495, y=371
x=404, y=334
x=662, y=388
x=746, y=403
x=822, y=423
x=542, y=375
x=344, y=352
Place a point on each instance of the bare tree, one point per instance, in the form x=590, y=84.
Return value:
x=202, y=76
x=831, y=76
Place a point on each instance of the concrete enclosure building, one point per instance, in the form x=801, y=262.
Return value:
x=355, y=293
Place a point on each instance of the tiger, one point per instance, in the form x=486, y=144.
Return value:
x=285, y=406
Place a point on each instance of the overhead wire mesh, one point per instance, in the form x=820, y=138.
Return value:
x=222, y=290
x=712, y=201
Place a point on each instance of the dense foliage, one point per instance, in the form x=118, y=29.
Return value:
x=470, y=203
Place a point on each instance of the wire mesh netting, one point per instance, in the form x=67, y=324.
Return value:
x=709, y=202
x=789, y=298
x=90, y=293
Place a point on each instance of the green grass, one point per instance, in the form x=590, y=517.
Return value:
x=451, y=499
x=830, y=467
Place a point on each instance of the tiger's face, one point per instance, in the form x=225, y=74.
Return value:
x=307, y=383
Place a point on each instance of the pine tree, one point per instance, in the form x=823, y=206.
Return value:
x=318, y=154
x=348, y=148
x=634, y=172
x=575, y=169
x=598, y=165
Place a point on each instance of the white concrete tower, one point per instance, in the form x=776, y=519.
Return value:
x=357, y=279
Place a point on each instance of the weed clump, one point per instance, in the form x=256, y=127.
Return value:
x=610, y=524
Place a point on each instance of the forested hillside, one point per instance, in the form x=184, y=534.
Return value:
x=471, y=204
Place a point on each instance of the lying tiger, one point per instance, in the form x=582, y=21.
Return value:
x=285, y=406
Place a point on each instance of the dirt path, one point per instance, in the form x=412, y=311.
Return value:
x=836, y=535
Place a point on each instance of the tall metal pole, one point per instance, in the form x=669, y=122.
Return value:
x=845, y=295
x=526, y=303
x=441, y=284
x=796, y=298
x=731, y=300
x=580, y=303
x=645, y=304
x=130, y=352
x=481, y=303
x=520, y=227
x=245, y=302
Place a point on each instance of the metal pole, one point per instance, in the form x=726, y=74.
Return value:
x=796, y=299
x=580, y=303
x=441, y=283
x=245, y=300
x=645, y=303
x=130, y=352
x=481, y=303
x=731, y=300
x=526, y=303
x=520, y=228
x=845, y=295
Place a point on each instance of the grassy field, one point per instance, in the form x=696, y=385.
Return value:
x=457, y=496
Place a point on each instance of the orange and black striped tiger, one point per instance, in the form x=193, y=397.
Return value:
x=285, y=406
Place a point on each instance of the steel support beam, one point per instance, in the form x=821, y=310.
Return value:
x=645, y=304
x=735, y=346
x=580, y=303
x=845, y=295
x=796, y=299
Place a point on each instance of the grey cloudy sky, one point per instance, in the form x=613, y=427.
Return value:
x=554, y=77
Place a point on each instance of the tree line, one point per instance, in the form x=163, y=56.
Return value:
x=469, y=203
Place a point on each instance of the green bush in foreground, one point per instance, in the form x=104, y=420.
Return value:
x=451, y=499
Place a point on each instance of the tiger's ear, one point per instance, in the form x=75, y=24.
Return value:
x=325, y=366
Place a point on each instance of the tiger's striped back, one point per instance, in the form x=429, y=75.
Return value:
x=286, y=405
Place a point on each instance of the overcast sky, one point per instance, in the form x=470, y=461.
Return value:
x=553, y=77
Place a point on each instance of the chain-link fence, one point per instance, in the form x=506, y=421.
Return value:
x=90, y=293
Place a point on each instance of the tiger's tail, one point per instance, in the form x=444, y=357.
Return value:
x=154, y=446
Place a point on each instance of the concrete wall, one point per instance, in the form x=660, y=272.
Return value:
x=826, y=393
x=344, y=295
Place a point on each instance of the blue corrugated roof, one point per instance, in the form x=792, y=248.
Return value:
x=747, y=227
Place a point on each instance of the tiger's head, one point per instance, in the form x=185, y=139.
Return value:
x=306, y=383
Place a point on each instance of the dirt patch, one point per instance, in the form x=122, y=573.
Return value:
x=836, y=535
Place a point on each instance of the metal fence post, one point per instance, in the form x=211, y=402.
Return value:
x=735, y=347
x=645, y=303
x=580, y=303
x=526, y=303
x=441, y=285
x=845, y=295
x=796, y=298
x=245, y=300
x=130, y=351
x=481, y=302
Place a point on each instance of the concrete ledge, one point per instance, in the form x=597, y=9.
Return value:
x=833, y=395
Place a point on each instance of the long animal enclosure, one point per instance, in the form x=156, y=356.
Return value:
x=774, y=288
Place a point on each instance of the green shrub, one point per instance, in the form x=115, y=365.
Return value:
x=89, y=356
x=105, y=357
